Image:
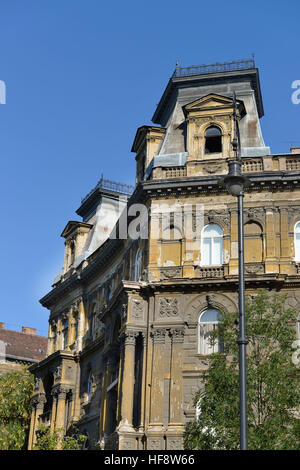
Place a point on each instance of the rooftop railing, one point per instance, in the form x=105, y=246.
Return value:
x=112, y=186
x=214, y=68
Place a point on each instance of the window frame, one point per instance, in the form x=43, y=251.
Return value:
x=203, y=343
x=211, y=254
x=297, y=242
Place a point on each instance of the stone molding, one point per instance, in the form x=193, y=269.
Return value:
x=204, y=301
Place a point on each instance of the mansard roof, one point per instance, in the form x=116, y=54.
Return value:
x=206, y=76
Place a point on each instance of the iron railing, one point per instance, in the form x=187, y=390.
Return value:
x=112, y=186
x=213, y=68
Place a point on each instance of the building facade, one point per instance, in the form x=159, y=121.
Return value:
x=130, y=316
x=20, y=349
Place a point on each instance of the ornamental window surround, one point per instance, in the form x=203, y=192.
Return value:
x=212, y=245
x=297, y=241
x=207, y=325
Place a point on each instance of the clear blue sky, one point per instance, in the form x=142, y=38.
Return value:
x=81, y=76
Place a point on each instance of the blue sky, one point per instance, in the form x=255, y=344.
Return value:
x=81, y=76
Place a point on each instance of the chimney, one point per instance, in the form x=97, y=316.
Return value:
x=28, y=331
x=295, y=149
x=1, y=325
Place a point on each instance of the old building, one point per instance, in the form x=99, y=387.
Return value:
x=130, y=316
x=20, y=348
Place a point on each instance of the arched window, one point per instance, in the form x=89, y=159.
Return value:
x=212, y=245
x=137, y=266
x=213, y=140
x=208, y=323
x=297, y=241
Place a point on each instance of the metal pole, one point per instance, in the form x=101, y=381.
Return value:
x=242, y=341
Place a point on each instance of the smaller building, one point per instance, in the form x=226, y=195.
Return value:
x=20, y=348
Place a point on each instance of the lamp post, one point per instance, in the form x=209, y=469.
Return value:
x=235, y=183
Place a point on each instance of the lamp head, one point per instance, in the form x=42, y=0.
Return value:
x=235, y=182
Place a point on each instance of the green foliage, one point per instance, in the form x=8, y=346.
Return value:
x=15, y=410
x=52, y=440
x=272, y=382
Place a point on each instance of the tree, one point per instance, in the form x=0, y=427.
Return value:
x=15, y=410
x=52, y=440
x=272, y=382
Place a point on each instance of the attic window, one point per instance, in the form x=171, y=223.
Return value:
x=213, y=140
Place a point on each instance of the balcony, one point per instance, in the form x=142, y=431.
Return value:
x=210, y=272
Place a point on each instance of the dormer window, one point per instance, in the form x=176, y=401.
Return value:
x=213, y=140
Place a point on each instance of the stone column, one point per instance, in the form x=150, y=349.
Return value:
x=103, y=401
x=111, y=364
x=175, y=418
x=51, y=338
x=271, y=264
x=81, y=323
x=53, y=412
x=142, y=423
x=61, y=407
x=157, y=385
x=121, y=362
x=41, y=399
x=32, y=423
x=234, y=251
x=74, y=325
x=128, y=381
x=285, y=248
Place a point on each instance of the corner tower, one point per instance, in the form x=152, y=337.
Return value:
x=196, y=104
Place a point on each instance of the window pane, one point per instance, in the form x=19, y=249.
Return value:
x=210, y=315
x=206, y=252
x=297, y=246
x=212, y=230
x=217, y=251
x=213, y=131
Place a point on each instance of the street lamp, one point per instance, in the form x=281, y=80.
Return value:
x=235, y=183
